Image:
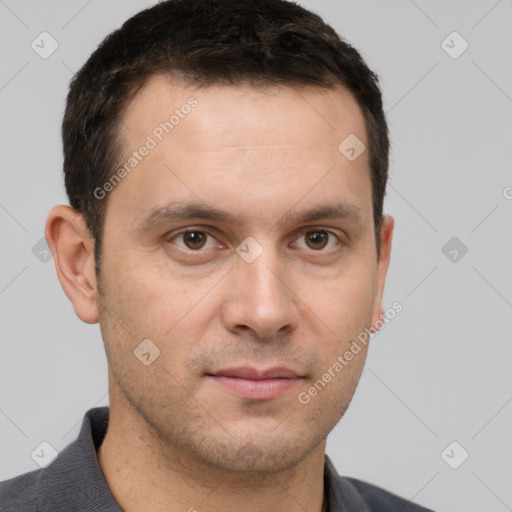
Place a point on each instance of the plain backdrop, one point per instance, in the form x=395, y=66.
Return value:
x=438, y=374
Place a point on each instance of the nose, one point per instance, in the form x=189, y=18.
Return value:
x=260, y=298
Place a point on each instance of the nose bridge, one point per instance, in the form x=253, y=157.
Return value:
x=260, y=300
x=264, y=285
x=259, y=271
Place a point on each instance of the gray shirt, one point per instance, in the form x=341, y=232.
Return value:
x=74, y=482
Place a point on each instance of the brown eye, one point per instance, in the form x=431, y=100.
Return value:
x=317, y=240
x=194, y=239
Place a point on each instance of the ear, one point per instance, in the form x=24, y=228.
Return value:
x=386, y=234
x=73, y=253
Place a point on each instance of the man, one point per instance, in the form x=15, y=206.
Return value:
x=226, y=164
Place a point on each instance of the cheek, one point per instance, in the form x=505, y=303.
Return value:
x=148, y=302
x=345, y=308
x=146, y=296
x=345, y=304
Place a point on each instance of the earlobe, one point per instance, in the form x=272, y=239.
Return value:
x=73, y=252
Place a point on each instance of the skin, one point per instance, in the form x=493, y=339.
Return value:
x=177, y=440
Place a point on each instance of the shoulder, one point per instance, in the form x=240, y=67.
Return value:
x=347, y=494
x=378, y=499
x=72, y=481
x=20, y=493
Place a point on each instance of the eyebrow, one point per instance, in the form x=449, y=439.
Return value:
x=173, y=212
x=338, y=211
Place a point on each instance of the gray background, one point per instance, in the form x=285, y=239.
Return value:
x=439, y=372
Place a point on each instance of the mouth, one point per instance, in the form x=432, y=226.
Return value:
x=257, y=384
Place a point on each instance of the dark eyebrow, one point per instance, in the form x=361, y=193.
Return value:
x=178, y=212
x=338, y=211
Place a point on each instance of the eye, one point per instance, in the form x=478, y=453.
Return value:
x=194, y=240
x=317, y=240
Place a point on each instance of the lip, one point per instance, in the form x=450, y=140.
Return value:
x=257, y=384
x=247, y=372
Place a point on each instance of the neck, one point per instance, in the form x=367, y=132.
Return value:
x=143, y=474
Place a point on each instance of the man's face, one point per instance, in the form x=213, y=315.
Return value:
x=241, y=163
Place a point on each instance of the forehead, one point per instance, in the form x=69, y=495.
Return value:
x=258, y=113
x=233, y=141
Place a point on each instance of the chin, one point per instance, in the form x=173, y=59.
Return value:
x=269, y=455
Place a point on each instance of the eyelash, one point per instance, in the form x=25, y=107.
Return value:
x=302, y=234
